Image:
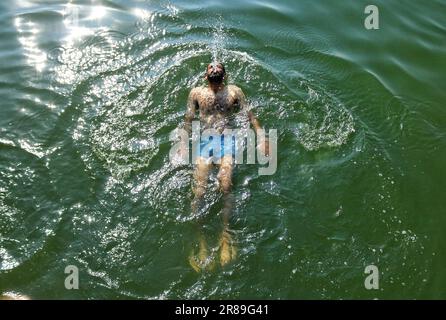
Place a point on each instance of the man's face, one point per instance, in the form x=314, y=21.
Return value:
x=215, y=73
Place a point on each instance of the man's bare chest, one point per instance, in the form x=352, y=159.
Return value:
x=217, y=104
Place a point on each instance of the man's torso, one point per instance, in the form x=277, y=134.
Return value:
x=217, y=109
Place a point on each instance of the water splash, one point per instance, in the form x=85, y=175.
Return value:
x=328, y=122
x=219, y=39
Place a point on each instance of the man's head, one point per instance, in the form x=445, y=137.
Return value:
x=215, y=73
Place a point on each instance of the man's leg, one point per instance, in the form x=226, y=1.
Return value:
x=202, y=260
x=228, y=250
x=201, y=175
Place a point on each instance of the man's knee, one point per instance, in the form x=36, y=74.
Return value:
x=225, y=178
x=199, y=190
x=201, y=176
x=226, y=185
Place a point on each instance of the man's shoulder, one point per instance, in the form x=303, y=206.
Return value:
x=235, y=89
x=197, y=90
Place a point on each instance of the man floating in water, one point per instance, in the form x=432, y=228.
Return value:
x=217, y=103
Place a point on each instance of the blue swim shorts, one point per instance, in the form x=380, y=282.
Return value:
x=212, y=148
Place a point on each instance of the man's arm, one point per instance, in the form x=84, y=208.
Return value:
x=190, y=110
x=262, y=141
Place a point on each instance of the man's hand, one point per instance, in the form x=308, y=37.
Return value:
x=183, y=152
x=263, y=146
x=263, y=142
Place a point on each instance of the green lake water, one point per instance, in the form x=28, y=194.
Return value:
x=90, y=91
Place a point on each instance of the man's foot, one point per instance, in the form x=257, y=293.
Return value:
x=228, y=250
x=202, y=261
